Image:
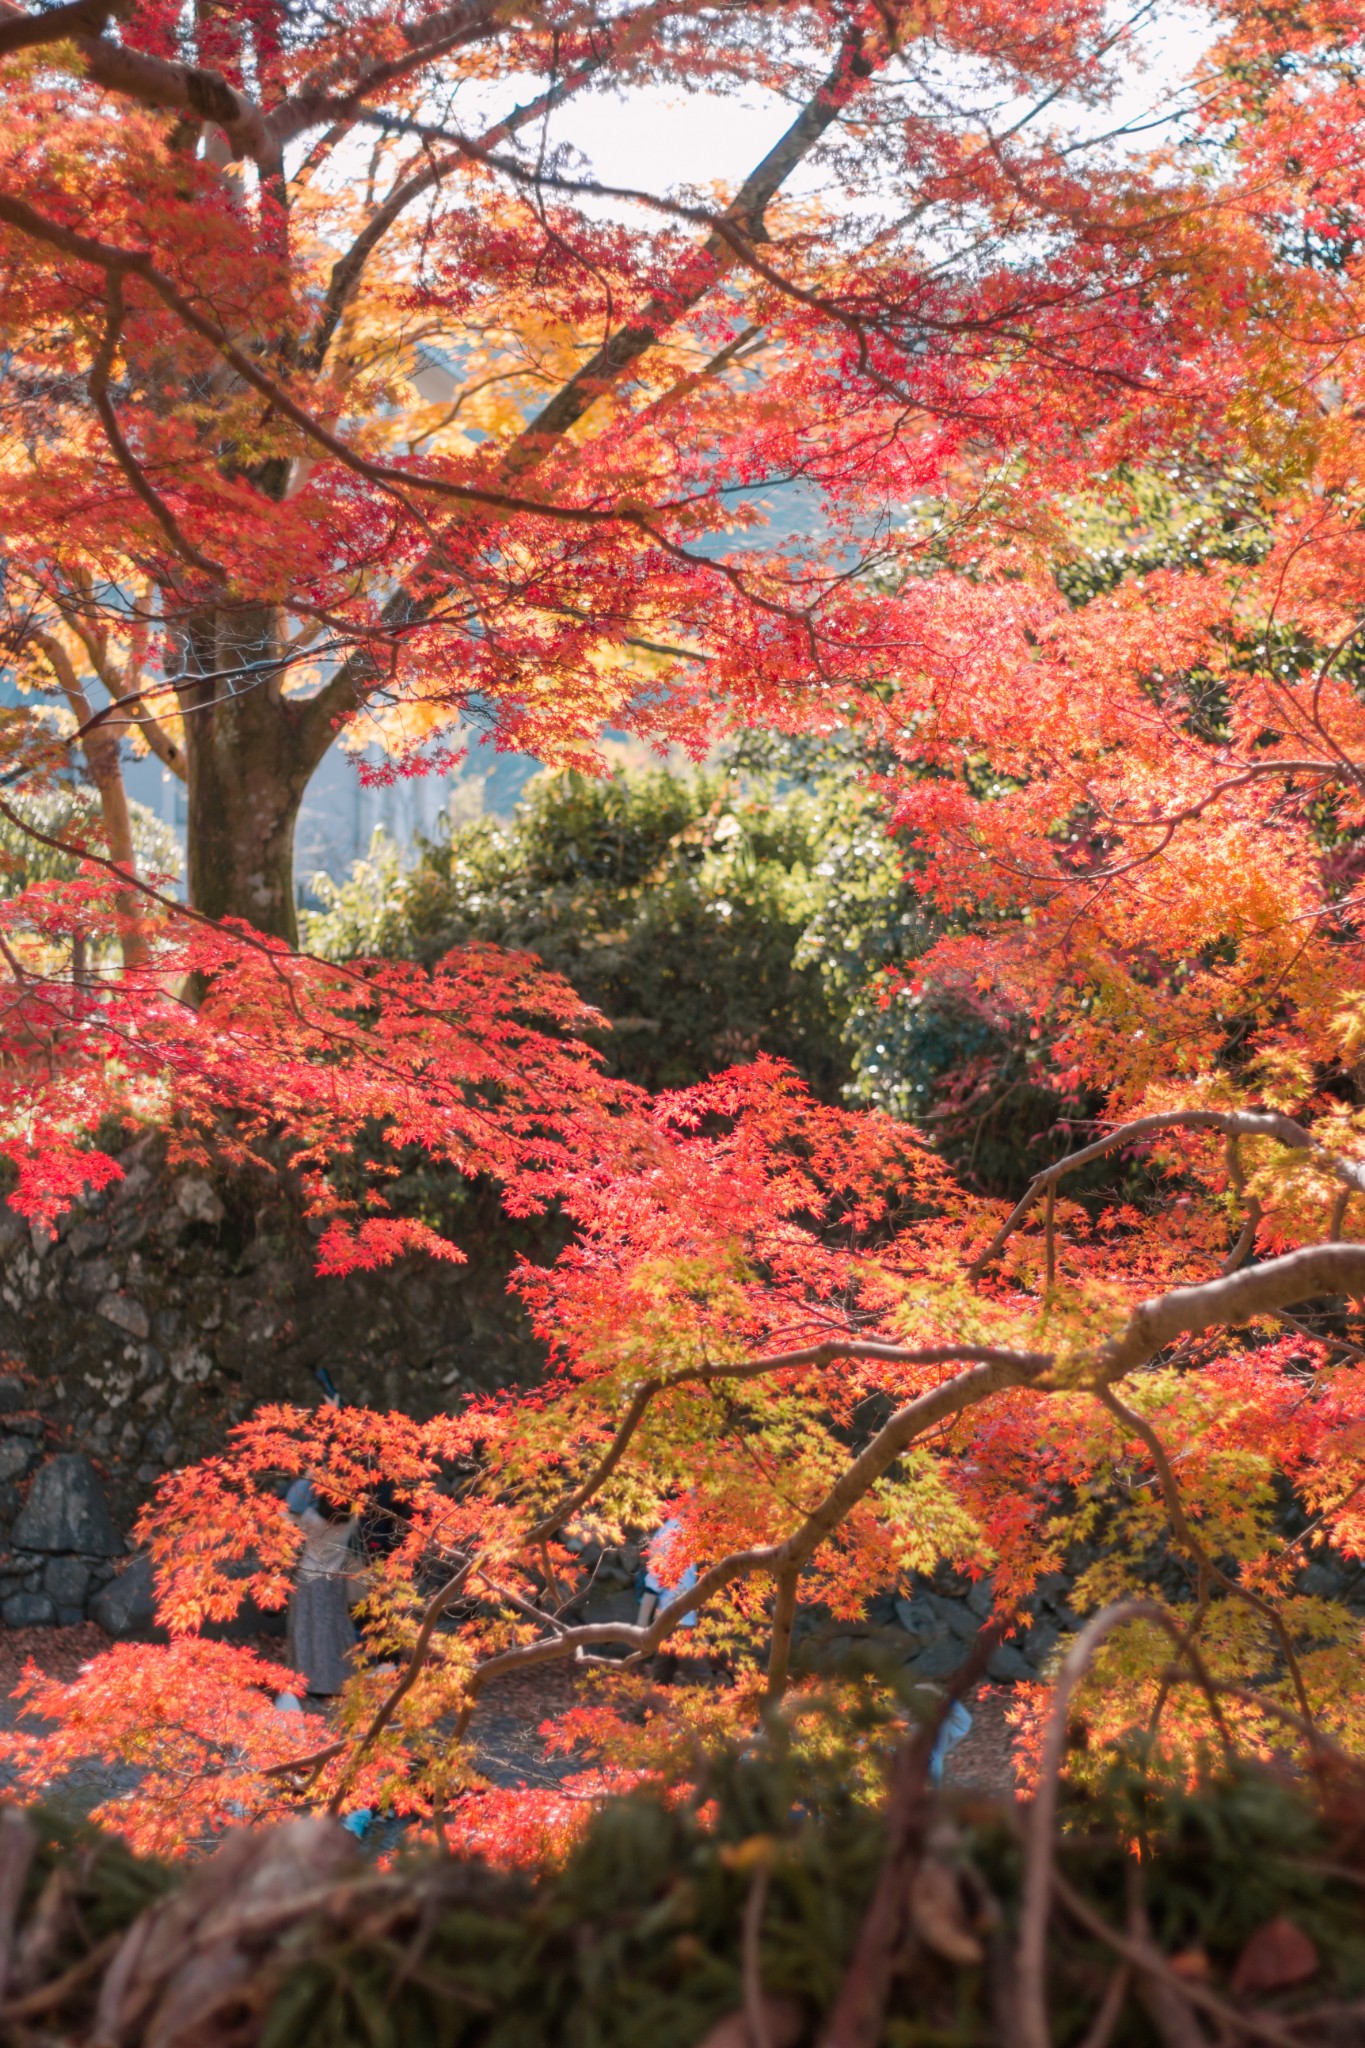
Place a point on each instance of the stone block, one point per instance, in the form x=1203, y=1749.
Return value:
x=126, y=1607
x=16, y=1455
x=28, y=1610
x=67, y=1580
x=86, y=1237
x=936, y=1660
x=125, y=1312
x=980, y=1598
x=197, y=1200
x=66, y=1510
x=1007, y=1665
x=955, y=1615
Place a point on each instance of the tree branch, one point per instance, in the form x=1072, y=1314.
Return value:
x=706, y=267
x=106, y=772
x=20, y=31
x=1285, y=1130
x=816, y=1356
x=346, y=690
x=347, y=270
x=98, y=384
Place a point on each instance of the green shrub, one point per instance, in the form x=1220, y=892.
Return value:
x=712, y=916
x=708, y=916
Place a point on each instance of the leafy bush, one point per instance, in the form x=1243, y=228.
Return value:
x=71, y=814
x=715, y=916
x=710, y=917
x=674, y=1919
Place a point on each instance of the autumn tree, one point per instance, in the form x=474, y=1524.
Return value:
x=1136, y=801
x=344, y=399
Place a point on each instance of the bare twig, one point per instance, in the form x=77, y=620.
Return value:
x=436, y=1607
x=50, y=1997
x=1039, y=1871
x=1148, y=1960
x=1110, y=2009
x=1284, y=1130
x=752, y=1952
x=1185, y=1534
x=856, y=2020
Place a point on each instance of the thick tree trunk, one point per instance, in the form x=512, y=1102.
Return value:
x=247, y=768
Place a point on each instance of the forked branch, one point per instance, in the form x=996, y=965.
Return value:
x=1232, y=1124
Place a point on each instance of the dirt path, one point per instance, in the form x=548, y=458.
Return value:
x=505, y=1729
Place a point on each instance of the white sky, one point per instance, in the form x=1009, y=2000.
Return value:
x=660, y=139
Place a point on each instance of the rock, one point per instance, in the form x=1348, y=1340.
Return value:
x=195, y=1198
x=87, y=1237
x=126, y=1606
x=70, y=1617
x=1040, y=1642
x=610, y=1604
x=937, y=1660
x=14, y=1395
x=191, y=1365
x=94, y=1278
x=980, y=1598
x=28, y=1610
x=66, y=1510
x=918, y=1618
x=16, y=1455
x=1008, y=1665
x=9, y=1503
x=955, y=1615
x=67, y=1580
x=125, y=1312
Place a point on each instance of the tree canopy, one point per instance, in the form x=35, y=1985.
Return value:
x=1078, y=431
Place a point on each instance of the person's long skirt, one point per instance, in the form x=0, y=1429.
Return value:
x=321, y=1633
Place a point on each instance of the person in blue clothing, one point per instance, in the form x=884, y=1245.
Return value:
x=654, y=1593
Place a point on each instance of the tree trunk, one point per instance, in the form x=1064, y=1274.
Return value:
x=246, y=771
x=103, y=759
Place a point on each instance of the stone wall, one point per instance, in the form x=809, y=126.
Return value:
x=173, y=1306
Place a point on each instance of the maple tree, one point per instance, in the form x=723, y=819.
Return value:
x=785, y=1326
x=238, y=512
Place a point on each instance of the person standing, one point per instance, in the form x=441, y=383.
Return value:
x=321, y=1634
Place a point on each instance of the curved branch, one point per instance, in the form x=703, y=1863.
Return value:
x=1034, y=2031
x=1233, y=1299
x=1232, y=1123
x=20, y=31
x=98, y=385
x=348, y=269
x=816, y=1356
x=914, y=1420
x=1258, y=1290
